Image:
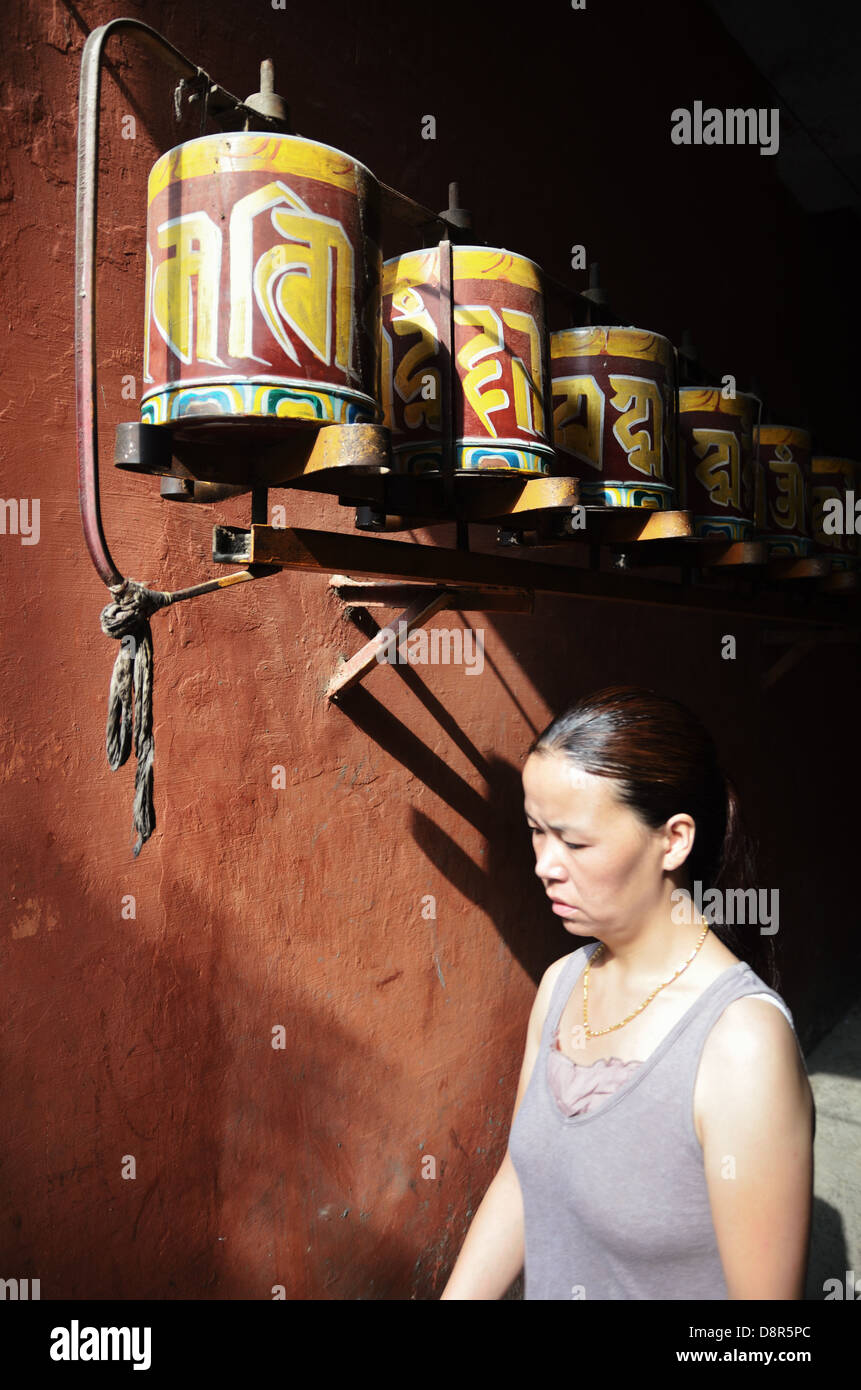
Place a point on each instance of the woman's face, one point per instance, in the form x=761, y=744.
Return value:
x=592, y=853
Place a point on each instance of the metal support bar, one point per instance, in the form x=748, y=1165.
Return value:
x=393, y=593
x=789, y=659
x=324, y=551
x=705, y=552
x=802, y=643
x=446, y=345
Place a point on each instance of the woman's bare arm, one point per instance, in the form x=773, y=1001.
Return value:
x=491, y=1256
x=757, y=1131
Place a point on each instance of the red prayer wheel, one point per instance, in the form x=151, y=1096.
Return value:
x=833, y=488
x=614, y=418
x=262, y=285
x=500, y=421
x=784, y=456
x=717, y=482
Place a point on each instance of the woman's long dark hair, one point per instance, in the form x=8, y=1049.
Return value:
x=666, y=762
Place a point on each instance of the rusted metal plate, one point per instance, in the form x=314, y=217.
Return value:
x=614, y=525
x=143, y=449
x=841, y=582
x=255, y=454
x=537, y=497
x=637, y=523
x=189, y=490
x=493, y=500
x=799, y=567
x=359, y=448
x=718, y=554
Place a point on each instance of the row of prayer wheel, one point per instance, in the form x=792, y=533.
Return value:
x=268, y=301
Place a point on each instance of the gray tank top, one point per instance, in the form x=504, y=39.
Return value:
x=615, y=1200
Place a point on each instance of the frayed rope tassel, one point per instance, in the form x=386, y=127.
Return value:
x=131, y=692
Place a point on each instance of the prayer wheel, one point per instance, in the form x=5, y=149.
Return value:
x=262, y=285
x=784, y=456
x=834, y=492
x=614, y=418
x=759, y=510
x=497, y=363
x=716, y=460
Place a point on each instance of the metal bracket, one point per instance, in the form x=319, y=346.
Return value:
x=418, y=613
x=428, y=600
x=800, y=644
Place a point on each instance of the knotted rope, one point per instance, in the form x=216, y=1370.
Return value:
x=132, y=679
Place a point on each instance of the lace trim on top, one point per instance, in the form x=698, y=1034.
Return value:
x=579, y=1087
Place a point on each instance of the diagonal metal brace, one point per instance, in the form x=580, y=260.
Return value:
x=801, y=644
x=368, y=656
x=428, y=599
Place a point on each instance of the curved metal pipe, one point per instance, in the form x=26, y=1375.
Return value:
x=85, y=268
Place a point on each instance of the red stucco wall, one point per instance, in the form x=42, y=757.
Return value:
x=151, y=1035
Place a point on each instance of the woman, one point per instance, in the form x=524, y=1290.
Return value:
x=661, y=1145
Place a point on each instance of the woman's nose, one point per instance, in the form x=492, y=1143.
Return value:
x=547, y=861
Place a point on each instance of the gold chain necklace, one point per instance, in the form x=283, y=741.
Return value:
x=597, y=1033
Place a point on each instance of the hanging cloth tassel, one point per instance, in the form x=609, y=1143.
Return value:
x=132, y=679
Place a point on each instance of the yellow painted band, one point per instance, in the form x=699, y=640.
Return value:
x=848, y=467
x=702, y=398
x=239, y=152
x=413, y=268
x=468, y=263
x=612, y=342
x=785, y=434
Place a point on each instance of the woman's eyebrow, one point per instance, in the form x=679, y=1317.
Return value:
x=529, y=816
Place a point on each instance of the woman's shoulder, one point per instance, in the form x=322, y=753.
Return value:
x=552, y=975
x=544, y=994
x=752, y=1075
x=747, y=1023
x=752, y=1071
x=750, y=1026
x=555, y=969
x=751, y=1038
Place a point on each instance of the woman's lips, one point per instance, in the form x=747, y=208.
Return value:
x=561, y=907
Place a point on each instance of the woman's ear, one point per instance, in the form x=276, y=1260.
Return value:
x=679, y=833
